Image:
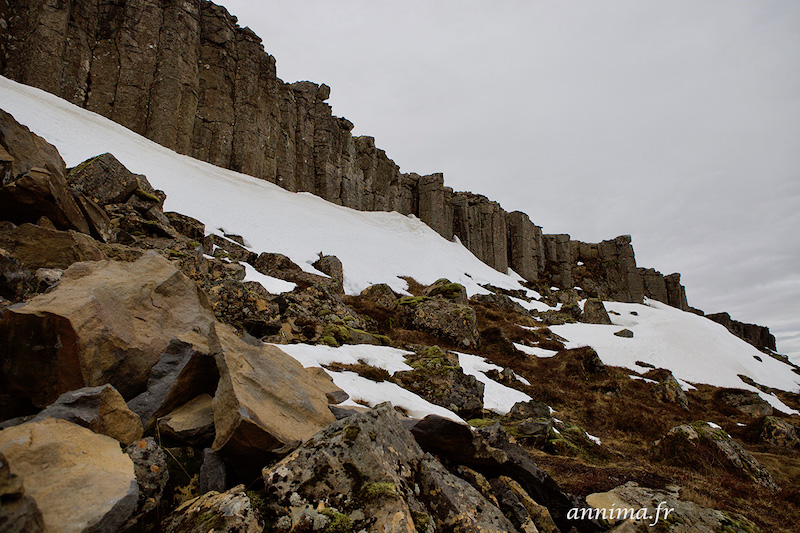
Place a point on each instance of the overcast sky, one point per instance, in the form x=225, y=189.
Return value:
x=677, y=122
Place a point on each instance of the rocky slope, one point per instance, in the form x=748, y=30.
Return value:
x=185, y=75
x=131, y=363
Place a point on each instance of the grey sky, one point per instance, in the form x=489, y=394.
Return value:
x=677, y=122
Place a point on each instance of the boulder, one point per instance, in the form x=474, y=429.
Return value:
x=448, y=290
x=543, y=489
x=107, y=322
x=265, y=402
x=594, y=312
x=332, y=266
x=89, y=483
x=456, y=441
x=364, y=463
x=440, y=317
x=454, y=505
x=35, y=185
x=438, y=378
x=779, y=432
x=19, y=512
x=213, y=474
x=101, y=409
x=624, y=333
x=524, y=512
x=529, y=409
x=192, y=423
x=380, y=294
x=152, y=474
x=684, y=515
x=668, y=389
x=106, y=181
x=703, y=446
x=325, y=382
x=226, y=512
x=183, y=371
x=39, y=247
x=499, y=301
x=748, y=402
x=100, y=225
x=189, y=227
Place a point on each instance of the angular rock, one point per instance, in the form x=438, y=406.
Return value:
x=444, y=288
x=537, y=514
x=35, y=185
x=19, y=512
x=106, y=181
x=543, y=489
x=381, y=294
x=779, y=432
x=39, y=247
x=594, y=312
x=668, y=389
x=499, y=301
x=366, y=453
x=192, y=423
x=456, y=441
x=89, y=483
x=438, y=378
x=100, y=225
x=183, y=371
x=213, y=475
x=152, y=474
x=454, y=504
x=624, y=333
x=748, y=402
x=265, y=402
x=442, y=318
x=530, y=409
x=325, y=382
x=332, y=266
x=187, y=226
x=101, y=409
x=227, y=512
x=684, y=515
x=107, y=322
x=702, y=446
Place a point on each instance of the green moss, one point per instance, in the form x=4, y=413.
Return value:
x=448, y=290
x=340, y=333
x=351, y=433
x=193, y=244
x=144, y=195
x=378, y=490
x=209, y=521
x=176, y=254
x=480, y=422
x=421, y=521
x=83, y=165
x=329, y=340
x=257, y=502
x=412, y=301
x=340, y=523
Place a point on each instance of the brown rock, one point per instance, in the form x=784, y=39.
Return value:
x=325, y=382
x=191, y=423
x=101, y=409
x=107, y=322
x=89, y=483
x=38, y=247
x=19, y=513
x=227, y=512
x=594, y=312
x=265, y=401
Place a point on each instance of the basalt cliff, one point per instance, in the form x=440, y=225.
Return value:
x=185, y=75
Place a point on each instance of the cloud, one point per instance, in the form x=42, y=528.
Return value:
x=677, y=122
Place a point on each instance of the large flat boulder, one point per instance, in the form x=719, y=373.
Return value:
x=106, y=322
x=39, y=247
x=265, y=401
x=88, y=483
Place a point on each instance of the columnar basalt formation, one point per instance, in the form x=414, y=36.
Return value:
x=756, y=335
x=184, y=74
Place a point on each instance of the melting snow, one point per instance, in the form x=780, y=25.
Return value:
x=534, y=351
x=496, y=397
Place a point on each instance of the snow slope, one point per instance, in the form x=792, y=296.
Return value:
x=694, y=348
x=374, y=247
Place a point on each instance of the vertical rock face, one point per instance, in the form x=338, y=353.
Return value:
x=525, y=246
x=758, y=336
x=558, y=259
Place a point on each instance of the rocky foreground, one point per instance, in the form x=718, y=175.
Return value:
x=138, y=392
